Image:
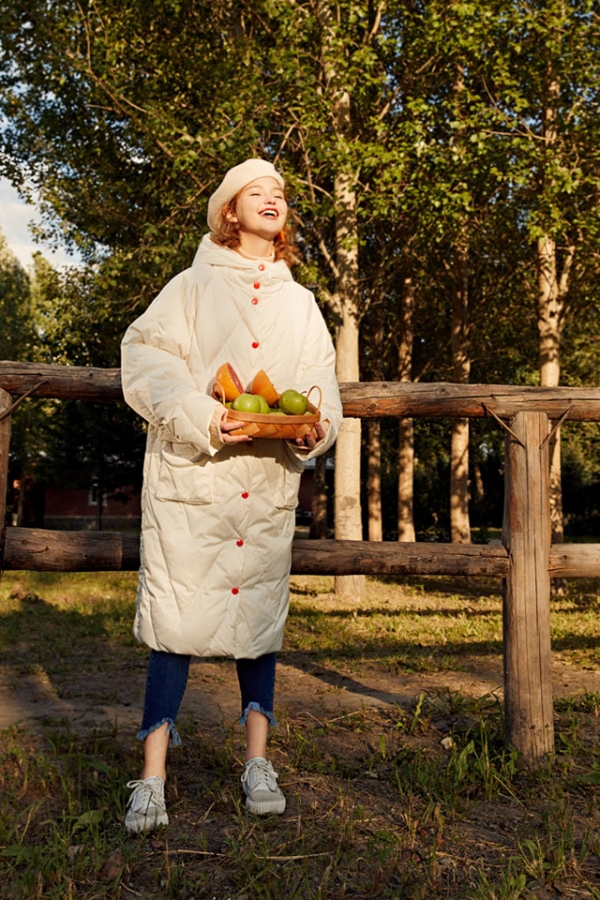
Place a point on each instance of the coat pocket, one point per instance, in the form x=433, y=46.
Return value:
x=184, y=475
x=287, y=495
x=287, y=484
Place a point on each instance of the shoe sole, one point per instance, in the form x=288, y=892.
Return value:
x=266, y=807
x=143, y=824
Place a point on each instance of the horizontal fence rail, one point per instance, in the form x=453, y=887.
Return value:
x=526, y=561
x=372, y=399
x=92, y=551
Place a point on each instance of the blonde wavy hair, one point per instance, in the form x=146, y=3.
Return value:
x=228, y=235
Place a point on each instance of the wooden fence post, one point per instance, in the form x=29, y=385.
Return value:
x=5, y=429
x=527, y=538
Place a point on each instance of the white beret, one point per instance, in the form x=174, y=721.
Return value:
x=236, y=179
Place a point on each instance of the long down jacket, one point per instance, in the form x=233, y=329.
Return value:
x=218, y=520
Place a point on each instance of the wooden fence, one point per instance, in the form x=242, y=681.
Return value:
x=525, y=562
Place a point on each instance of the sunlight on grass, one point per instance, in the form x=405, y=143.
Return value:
x=420, y=800
x=44, y=616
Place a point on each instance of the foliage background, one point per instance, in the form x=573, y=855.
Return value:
x=122, y=117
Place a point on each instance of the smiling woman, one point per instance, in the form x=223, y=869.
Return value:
x=252, y=219
x=260, y=212
x=218, y=508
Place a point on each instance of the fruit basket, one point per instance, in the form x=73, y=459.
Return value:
x=274, y=425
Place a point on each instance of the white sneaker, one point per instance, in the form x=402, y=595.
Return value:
x=260, y=787
x=146, y=807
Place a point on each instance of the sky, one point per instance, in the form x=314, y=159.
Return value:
x=15, y=216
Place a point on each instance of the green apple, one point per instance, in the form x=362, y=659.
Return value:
x=264, y=406
x=249, y=403
x=292, y=403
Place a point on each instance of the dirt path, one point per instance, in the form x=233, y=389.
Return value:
x=93, y=700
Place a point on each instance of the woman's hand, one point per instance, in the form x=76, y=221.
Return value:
x=225, y=426
x=315, y=435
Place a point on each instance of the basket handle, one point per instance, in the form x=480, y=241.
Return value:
x=315, y=387
x=217, y=389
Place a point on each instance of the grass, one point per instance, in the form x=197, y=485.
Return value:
x=412, y=798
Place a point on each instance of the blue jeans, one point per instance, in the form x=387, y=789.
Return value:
x=166, y=681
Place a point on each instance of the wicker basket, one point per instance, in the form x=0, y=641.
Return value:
x=274, y=425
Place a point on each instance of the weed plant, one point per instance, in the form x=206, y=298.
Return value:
x=419, y=799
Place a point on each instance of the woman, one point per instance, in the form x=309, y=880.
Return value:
x=217, y=508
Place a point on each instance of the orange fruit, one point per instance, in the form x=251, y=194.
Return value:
x=262, y=384
x=228, y=379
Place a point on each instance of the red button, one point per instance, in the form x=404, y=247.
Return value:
x=245, y=495
x=261, y=267
x=239, y=543
x=235, y=590
x=254, y=301
x=255, y=344
x=256, y=285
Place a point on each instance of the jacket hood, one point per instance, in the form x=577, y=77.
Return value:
x=211, y=254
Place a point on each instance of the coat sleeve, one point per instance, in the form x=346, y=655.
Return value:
x=157, y=381
x=317, y=368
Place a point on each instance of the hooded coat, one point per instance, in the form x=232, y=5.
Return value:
x=218, y=520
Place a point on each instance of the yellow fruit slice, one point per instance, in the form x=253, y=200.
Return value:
x=230, y=383
x=262, y=384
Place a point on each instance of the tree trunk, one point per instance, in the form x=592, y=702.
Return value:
x=20, y=514
x=550, y=308
x=460, y=528
x=5, y=433
x=406, y=434
x=318, y=525
x=374, y=510
x=552, y=292
x=478, y=480
x=374, y=481
x=348, y=519
x=100, y=498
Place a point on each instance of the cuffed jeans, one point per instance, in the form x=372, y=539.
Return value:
x=166, y=681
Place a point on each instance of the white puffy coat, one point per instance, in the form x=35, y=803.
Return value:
x=218, y=520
